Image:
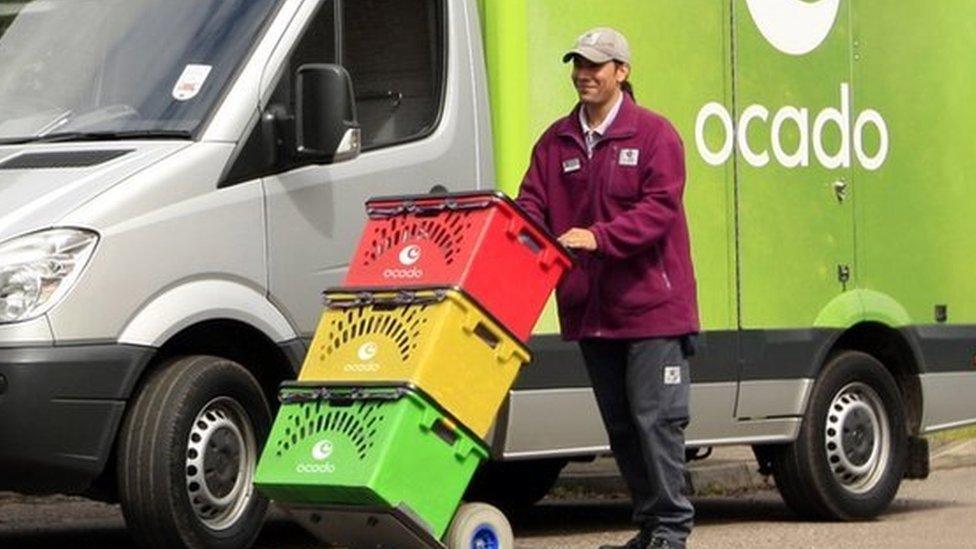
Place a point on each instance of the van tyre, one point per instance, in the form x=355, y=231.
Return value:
x=849, y=458
x=186, y=456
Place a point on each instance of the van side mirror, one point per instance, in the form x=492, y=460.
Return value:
x=325, y=120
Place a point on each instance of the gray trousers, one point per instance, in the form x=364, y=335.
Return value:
x=642, y=389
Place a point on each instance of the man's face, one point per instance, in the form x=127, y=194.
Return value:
x=595, y=83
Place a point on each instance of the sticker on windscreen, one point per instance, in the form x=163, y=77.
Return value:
x=190, y=82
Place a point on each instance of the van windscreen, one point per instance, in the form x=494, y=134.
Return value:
x=125, y=66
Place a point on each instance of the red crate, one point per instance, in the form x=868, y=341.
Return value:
x=481, y=242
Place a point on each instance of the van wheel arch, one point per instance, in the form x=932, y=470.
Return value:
x=229, y=339
x=896, y=352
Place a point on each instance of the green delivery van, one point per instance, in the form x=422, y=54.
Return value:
x=180, y=179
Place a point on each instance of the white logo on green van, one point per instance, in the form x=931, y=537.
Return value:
x=811, y=135
x=794, y=27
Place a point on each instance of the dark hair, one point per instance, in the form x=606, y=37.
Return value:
x=626, y=86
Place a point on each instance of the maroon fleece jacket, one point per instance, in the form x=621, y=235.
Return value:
x=640, y=282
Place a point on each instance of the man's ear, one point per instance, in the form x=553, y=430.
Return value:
x=623, y=71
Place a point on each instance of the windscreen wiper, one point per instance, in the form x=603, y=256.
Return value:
x=99, y=136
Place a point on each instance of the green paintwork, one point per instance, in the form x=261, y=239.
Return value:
x=530, y=88
x=853, y=307
x=915, y=64
x=902, y=229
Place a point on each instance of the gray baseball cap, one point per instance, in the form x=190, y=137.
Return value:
x=600, y=45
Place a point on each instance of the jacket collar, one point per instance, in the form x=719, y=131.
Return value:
x=623, y=127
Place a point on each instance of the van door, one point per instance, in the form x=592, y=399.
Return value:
x=414, y=139
x=792, y=62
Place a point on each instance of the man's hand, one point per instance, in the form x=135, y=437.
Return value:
x=579, y=239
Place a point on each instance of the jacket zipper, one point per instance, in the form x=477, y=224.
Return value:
x=596, y=282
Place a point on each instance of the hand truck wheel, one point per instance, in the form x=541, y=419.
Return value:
x=479, y=526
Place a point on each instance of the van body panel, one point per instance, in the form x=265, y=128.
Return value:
x=41, y=197
x=196, y=301
x=948, y=400
x=531, y=88
x=915, y=212
x=36, y=332
x=316, y=213
x=166, y=227
x=240, y=106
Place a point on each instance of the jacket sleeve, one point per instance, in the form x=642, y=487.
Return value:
x=532, y=194
x=662, y=186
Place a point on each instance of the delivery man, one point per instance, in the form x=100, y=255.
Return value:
x=609, y=179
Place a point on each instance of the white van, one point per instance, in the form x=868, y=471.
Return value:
x=180, y=179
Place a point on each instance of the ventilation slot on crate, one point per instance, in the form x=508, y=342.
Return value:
x=359, y=422
x=402, y=325
x=447, y=232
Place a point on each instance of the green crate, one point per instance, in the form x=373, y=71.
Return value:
x=368, y=446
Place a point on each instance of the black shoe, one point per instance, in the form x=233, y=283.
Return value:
x=642, y=540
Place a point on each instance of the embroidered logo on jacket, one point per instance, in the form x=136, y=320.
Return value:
x=629, y=157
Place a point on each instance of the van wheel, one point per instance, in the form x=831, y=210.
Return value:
x=849, y=458
x=187, y=453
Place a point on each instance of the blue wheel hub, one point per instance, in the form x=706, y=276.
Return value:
x=484, y=538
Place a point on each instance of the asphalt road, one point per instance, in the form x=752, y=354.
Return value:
x=938, y=512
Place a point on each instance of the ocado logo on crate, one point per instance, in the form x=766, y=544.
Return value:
x=320, y=452
x=408, y=256
x=366, y=352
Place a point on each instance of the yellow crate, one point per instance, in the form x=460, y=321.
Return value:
x=436, y=339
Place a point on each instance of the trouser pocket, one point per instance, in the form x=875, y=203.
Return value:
x=675, y=390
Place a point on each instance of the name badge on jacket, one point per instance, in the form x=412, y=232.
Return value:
x=629, y=157
x=571, y=165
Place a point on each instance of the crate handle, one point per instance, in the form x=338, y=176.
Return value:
x=528, y=240
x=401, y=298
x=487, y=335
x=425, y=210
x=444, y=429
x=340, y=397
x=445, y=432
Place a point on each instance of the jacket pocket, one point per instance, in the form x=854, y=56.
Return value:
x=676, y=391
x=635, y=284
x=623, y=182
x=573, y=291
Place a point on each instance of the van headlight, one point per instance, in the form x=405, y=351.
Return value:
x=36, y=270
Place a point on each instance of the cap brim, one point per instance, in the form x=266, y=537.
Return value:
x=590, y=54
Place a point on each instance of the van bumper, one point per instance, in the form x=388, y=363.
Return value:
x=60, y=409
